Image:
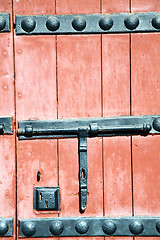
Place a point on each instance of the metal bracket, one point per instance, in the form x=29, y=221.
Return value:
x=90, y=227
x=88, y=23
x=6, y=227
x=88, y=127
x=82, y=150
x=4, y=22
x=5, y=125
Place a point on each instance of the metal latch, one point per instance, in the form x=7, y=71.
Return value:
x=88, y=127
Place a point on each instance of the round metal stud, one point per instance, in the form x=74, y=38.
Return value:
x=3, y=228
x=2, y=23
x=131, y=22
x=82, y=227
x=28, y=24
x=156, y=22
x=156, y=124
x=106, y=23
x=109, y=227
x=147, y=127
x=158, y=226
x=56, y=228
x=136, y=227
x=79, y=23
x=29, y=229
x=52, y=24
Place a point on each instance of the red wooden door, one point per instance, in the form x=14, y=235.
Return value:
x=79, y=76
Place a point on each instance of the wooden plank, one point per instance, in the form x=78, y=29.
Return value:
x=80, y=7
x=145, y=100
x=7, y=143
x=75, y=54
x=79, y=95
x=35, y=99
x=145, y=5
x=116, y=101
x=114, y=6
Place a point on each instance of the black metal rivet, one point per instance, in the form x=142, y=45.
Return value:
x=29, y=229
x=158, y=226
x=28, y=131
x=52, y=23
x=28, y=24
x=156, y=22
x=147, y=127
x=79, y=23
x=156, y=124
x=2, y=23
x=106, y=23
x=82, y=227
x=109, y=227
x=136, y=227
x=56, y=228
x=131, y=22
x=3, y=228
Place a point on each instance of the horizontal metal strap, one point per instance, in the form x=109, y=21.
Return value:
x=4, y=22
x=96, y=127
x=88, y=24
x=103, y=226
x=6, y=227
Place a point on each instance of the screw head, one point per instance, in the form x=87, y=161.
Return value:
x=106, y=23
x=136, y=227
x=2, y=23
x=3, y=228
x=156, y=22
x=131, y=22
x=28, y=24
x=52, y=23
x=56, y=228
x=29, y=229
x=79, y=23
x=158, y=226
x=82, y=227
x=109, y=227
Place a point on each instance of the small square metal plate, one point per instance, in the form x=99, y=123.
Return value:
x=47, y=198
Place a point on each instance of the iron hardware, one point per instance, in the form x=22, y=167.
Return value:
x=5, y=125
x=4, y=22
x=88, y=23
x=47, y=199
x=90, y=227
x=88, y=127
x=6, y=227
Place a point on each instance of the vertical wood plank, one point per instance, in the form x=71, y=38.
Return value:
x=7, y=143
x=145, y=100
x=114, y=6
x=79, y=95
x=145, y=5
x=116, y=101
x=79, y=7
x=35, y=99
